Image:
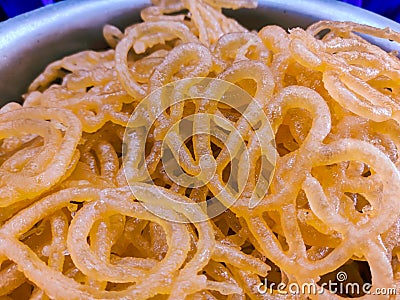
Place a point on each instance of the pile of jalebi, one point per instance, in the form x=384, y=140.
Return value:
x=104, y=195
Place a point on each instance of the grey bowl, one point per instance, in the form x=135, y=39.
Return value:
x=31, y=41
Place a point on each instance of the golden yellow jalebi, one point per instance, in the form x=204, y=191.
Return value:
x=196, y=159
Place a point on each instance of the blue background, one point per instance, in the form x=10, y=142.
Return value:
x=388, y=8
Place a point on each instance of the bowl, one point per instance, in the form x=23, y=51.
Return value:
x=29, y=42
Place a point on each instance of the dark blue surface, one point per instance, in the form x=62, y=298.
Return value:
x=388, y=8
x=12, y=8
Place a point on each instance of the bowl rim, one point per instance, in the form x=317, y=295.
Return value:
x=314, y=9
